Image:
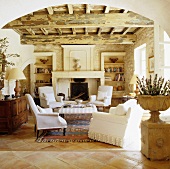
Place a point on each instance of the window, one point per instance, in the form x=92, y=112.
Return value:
x=140, y=60
x=166, y=63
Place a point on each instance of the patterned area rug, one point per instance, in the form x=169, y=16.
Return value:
x=77, y=131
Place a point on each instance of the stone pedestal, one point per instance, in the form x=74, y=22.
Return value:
x=155, y=140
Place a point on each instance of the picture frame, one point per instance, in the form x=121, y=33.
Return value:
x=151, y=64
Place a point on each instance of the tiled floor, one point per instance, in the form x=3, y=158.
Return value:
x=20, y=151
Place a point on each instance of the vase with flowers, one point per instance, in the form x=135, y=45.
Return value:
x=154, y=96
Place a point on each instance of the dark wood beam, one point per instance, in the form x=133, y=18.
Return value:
x=79, y=39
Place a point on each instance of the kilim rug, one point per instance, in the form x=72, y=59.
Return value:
x=77, y=131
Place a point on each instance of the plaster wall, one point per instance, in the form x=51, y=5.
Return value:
x=26, y=56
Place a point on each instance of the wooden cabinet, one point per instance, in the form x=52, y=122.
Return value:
x=114, y=72
x=13, y=113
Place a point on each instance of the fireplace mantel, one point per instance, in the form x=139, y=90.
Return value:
x=77, y=74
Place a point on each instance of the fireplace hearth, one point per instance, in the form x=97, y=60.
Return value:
x=79, y=91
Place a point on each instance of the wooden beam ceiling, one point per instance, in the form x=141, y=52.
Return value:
x=81, y=21
x=79, y=24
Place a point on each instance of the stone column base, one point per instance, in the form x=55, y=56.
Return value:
x=155, y=140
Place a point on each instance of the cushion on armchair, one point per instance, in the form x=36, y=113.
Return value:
x=121, y=110
x=112, y=118
x=50, y=97
x=101, y=95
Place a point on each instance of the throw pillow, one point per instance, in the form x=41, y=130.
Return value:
x=41, y=110
x=50, y=97
x=121, y=110
x=101, y=95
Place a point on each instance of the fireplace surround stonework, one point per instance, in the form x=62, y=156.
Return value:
x=85, y=55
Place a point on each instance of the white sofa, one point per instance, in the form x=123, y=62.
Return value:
x=120, y=127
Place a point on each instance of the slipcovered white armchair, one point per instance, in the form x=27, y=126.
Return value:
x=48, y=98
x=45, y=119
x=103, y=97
x=119, y=127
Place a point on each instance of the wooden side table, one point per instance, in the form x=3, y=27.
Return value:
x=13, y=113
x=119, y=100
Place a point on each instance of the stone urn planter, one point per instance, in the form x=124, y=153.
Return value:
x=155, y=104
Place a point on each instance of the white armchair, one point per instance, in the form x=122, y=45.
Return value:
x=103, y=97
x=48, y=98
x=119, y=127
x=45, y=119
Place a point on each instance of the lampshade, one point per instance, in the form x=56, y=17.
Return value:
x=16, y=73
x=133, y=79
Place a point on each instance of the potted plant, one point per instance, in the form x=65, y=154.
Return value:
x=154, y=96
x=4, y=60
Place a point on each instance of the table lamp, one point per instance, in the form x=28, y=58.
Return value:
x=133, y=82
x=17, y=74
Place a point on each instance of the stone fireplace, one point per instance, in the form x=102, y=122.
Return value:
x=62, y=80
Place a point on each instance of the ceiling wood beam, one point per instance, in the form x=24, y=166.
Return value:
x=99, y=31
x=88, y=8
x=81, y=21
x=86, y=31
x=59, y=31
x=70, y=8
x=126, y=31
x=74, y=31
x=45, y=32
x=79, y=39
x=50, y=10
x=107, y=9
x=30, y=31
x=112, y=31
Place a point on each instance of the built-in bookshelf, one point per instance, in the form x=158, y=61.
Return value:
x=114, y=72
x=42, y=70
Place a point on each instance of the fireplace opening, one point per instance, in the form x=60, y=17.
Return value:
x=79, y=80
x=79, y=91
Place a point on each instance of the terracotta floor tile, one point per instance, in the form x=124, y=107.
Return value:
x=134, y=155
x=108, y=167
x=86, y=163
x=70, y=157
x=14, y=163
x=36, y=157
x=102, y=157
x=54, y=164
x=122, y=163
x=20, y=150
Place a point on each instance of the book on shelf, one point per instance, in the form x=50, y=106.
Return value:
x=119, y=77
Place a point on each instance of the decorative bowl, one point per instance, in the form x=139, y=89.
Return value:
x=44, y=61
x=113, y=60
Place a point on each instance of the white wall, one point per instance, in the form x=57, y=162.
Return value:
x=25, y=52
